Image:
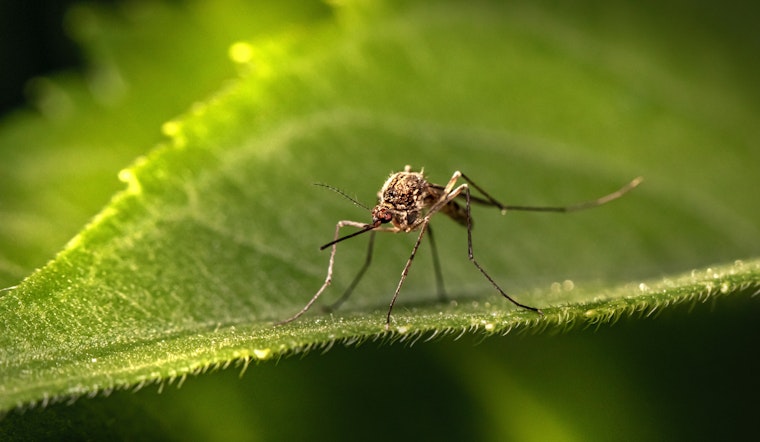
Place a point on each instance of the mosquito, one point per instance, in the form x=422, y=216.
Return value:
x=407, y=202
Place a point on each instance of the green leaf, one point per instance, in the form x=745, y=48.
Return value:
x=217, y=233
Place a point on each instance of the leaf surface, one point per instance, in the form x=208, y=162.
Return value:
x=216, y=235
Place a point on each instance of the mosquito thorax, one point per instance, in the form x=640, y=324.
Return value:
x=404, y=195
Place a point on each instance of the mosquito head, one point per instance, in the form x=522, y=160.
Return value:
x=381, y=215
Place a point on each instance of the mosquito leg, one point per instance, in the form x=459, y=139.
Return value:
x=404, y=272
x=560, y=209
x=452, y=182
x=357, y=278
x=436, y=266
x=472, y=258
x=328, y=279
x=485, y=194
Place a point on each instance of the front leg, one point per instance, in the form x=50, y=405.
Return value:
x=358, y=277
x=328, y=279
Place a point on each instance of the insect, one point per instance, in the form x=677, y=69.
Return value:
x=407, y=202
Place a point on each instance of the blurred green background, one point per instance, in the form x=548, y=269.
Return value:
x=687, y=374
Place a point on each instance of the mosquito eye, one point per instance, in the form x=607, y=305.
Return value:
x=382, y=215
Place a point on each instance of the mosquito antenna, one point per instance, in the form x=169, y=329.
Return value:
x=584, y=205
x=343, y=194
x=365, y=229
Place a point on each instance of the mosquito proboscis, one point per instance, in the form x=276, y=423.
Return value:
x=407, y=202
